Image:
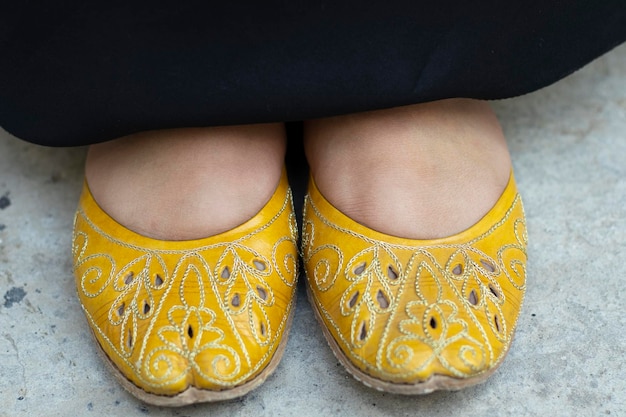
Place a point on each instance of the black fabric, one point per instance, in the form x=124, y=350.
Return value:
x=78, y=72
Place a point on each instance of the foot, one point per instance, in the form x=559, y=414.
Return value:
x=184, y=184
x=424, y=171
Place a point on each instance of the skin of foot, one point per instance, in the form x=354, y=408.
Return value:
x=423, y=171
x=184, y=184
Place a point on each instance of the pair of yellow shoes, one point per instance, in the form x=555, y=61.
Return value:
x=181, y=322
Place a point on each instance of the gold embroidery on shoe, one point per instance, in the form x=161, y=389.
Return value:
x=405, y=313
x=172, y=320
x=192, y=335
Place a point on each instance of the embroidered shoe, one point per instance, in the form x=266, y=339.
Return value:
x=414, y=316
x=181, y=322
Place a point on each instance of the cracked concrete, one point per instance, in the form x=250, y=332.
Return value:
x=568, y=144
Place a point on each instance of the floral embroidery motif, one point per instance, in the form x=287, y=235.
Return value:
x=192, y=334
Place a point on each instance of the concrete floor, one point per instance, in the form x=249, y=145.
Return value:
x=568, y=143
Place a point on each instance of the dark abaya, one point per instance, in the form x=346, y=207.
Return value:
x=76, y=73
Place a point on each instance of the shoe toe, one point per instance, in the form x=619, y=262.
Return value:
x=188, y=321
x=411, y=316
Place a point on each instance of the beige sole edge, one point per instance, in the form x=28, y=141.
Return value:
x=194, y=395
x=432, y=384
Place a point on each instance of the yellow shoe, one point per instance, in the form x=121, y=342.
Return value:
x=414, y=316
x=189, y=321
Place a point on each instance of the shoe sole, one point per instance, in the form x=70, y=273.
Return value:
x=432, y=384
x=194, y=395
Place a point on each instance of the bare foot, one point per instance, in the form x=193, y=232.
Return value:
x=184, y=184
x=423, y=171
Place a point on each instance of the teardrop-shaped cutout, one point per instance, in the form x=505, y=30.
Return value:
x=363, y=331
x=146, y=308
x=358, y=270
x=353, y=299
x=496, y=321
x=494, y=291
x=473, y=298
x=262, y=293
x=487, y=265
x=259, y=265
x=392, y=273
x=190, y=331
x=225, y=273
x=433, y=323
x=129, y=339
x=457, y=270
x=129, y=278
x=120, y=310
x=236, y=301
x=383, y=302
x=262, y=328
x=158, y=280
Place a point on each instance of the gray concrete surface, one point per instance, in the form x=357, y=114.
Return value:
x=568, y=143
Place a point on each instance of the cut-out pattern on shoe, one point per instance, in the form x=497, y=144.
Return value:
x=449, y=307
x=208, y=313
